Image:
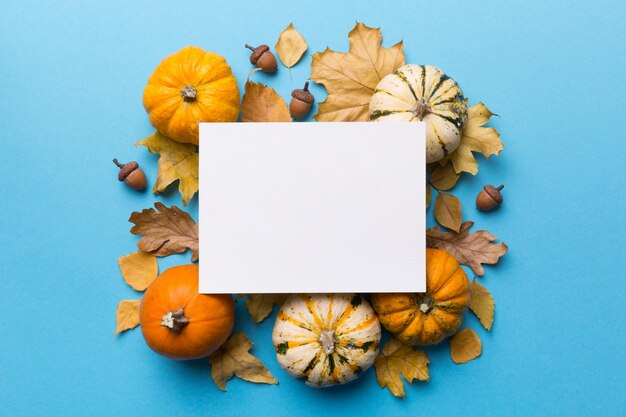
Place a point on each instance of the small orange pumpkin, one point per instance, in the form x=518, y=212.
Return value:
x=179, y=323
x=427, y=318
x=189, y=87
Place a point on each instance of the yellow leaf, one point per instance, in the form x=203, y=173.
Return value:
x=481, y=303
x=139, y=269
x=397, y=359
x=351, y=78
x=178, y=161
x=261, y=305
x=448, y=211
x=429, y=195
x=444, y=177
x=261, y=103
x=232, y=358
x=465, y=346
x=127, y=315
x=290, y=46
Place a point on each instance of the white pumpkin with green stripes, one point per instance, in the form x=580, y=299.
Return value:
x=423, y=93
x=326, y=339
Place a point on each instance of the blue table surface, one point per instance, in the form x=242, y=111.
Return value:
x=71, y=82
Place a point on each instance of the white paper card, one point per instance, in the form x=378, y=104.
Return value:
x=312, y=207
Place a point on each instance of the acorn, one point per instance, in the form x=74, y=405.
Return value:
x=263, y=58
x=301, y=101
x=489, y=197
x=132, y=175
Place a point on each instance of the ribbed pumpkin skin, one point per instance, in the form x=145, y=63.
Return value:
x=211, y=317
x=301, y=330
x=217, y=98
x=423, y=93
x=447, y=297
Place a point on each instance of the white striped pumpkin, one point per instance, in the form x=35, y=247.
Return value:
x=423, y=93
x=326, y=339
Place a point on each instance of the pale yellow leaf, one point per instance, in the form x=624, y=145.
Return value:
x=444, y=177
x=481, y=303
x=261, y=103
x=429, y=195
x=139, y=269
x=448, y=211
x=397, y=359
x=127, y=315
x=261, y=305
x=290, y=46
x=465, y=346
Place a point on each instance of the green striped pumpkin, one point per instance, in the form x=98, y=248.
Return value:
x=423, y=93
x=326, y=339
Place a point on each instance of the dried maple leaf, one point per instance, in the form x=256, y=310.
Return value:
x=465, y=346
x=261, y=305
x=261, y=103
x=397, y=359
x=178, y=161
x=351, y=78
x=471, y=249
x=232, y=358
x=448, y=211
x=165, y=231
x=444, y=177
x=481, y=303
x=139, y=269
x=290, y=46
x=127, y=315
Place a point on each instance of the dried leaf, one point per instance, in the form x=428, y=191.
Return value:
x=232, y=358
x=448, y=211
x=397, y=359
x=261, y=305
x=465, y=346
x=261, y=103
x=178, y=161
x=350, y=78
x=444, y=177
x=429, y=195
x=290, y=46
x=127, y=315
x=471, y=249
x=139, y=269
x=165, y=231
x=481, y=303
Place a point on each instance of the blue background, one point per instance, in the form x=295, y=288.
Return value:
x=71, y=82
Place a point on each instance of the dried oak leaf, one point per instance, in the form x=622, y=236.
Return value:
x=233, y=358
x=351, y=78
x=261, y=103
x=165, y=231
x=444, y=177
x=261, y=305
x=139, y=269
x=471, y=249
x=397, y=359
x=178, y=161
x=448, y=211
x=481, y=303
x=127, y=315
x=465, y=346
x=290, y=46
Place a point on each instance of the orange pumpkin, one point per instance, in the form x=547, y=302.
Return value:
x=190, y=87
x=179, y=323
x=427, y=318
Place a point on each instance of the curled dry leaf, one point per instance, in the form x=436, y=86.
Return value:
x=165, y=231
x=261, y=305
x=139, y=269
x=444, y=177
x=351, y=78
x=261, y=103
x=290, y=46
x=465, y=346
x=177, y=161
x=471, y=249
x=481, y=303
x=127, y=315
x=233, y=358
x=397, y=359
x=448, y=211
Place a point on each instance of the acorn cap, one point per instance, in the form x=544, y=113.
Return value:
x=257, y=52
x=303, y=94
x=126, y=169
x=494, y=193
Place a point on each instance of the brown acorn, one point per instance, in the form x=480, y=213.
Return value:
x=489, y=197
x=132, y=175
x=262, y=58
x=301, y=101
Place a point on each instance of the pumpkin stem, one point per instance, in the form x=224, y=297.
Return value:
x=421, y=109
x=327, y=340
x=189, y=93
x=175, y=320
x=426, y=304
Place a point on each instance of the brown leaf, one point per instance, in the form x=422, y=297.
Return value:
x=448, y=211
x=444, y=177
x=232, y=358
x=471, y=249
x=351, y=78
x=481, y=303
x=397, y=359
x=165, y=231
x=261, y=103
x=127, y=315
x=261, y=305
x=290, y=46
x=139, y=269
x=465, y=346
x=429, y=195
